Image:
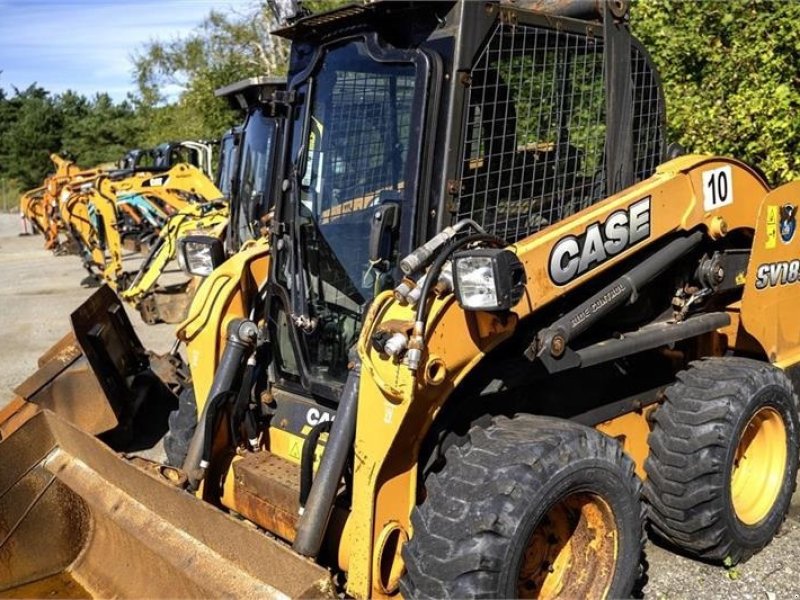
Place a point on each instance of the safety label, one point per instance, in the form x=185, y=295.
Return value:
x=772, y=227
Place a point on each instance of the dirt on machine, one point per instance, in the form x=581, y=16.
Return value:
x=484, y=326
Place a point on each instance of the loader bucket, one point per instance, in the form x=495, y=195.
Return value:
x=65, y=384
x=96, y=377
x=77, y=520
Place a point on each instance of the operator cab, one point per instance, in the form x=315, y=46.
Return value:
x=137, y=159
x=397, y=133
x=197, y=154
x=226, y=166
x=251, y=171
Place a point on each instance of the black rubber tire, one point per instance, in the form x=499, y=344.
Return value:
x=471, y=530
x=692, y=449
x=182, y=423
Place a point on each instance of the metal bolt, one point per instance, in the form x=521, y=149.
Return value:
x=557, y=346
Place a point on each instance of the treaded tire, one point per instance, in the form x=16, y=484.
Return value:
x=182, y=423
x=693, y=446
x=472, y=529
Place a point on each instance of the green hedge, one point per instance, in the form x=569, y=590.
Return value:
x=731, y=73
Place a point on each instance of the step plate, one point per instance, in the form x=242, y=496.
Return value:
x=267, y=492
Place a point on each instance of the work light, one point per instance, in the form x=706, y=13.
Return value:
x=490, y=279
x=200, y=254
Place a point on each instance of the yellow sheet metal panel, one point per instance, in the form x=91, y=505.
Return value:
x=772, y=288
x=396, y=408
x=221, y=297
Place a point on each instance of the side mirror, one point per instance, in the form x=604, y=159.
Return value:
x=200, y=254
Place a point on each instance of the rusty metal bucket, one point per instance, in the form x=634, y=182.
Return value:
x=77, y=520
x=96, y=377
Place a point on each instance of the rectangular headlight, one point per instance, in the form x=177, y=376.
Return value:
x=200, y=254
x=488, y=279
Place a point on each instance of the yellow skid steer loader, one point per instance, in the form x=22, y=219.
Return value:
x=491, y=331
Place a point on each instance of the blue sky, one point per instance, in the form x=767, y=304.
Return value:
x=85, y=45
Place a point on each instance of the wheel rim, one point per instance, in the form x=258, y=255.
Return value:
x=572, y=551
x=759, y=466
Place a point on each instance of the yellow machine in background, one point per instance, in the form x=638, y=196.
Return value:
x=481, y=344
x=31, y=207
x=160, y=195
x=105, y=212
x=161, y=303
x=41, y=206
x=44, y=206
x=65, y=170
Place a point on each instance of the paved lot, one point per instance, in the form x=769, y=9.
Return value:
x=38, y=291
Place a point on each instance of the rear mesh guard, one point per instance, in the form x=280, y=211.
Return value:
x=534, y=149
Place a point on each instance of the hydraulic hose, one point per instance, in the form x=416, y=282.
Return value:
x=423, y=255
x=241, y=340
x=417, y=341
x=433, y=273
x=314, y=520
x=307, y=459
x=242, y=402
x=147, y=261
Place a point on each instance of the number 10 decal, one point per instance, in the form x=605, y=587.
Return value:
x=717, y=188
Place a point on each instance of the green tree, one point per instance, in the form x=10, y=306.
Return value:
x=224, y=49
x=99, y=130
x=730, y=72
x=31, y=133
x=35, y=124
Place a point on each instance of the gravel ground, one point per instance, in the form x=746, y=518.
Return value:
x=38, y=291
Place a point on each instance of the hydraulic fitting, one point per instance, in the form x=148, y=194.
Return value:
x=415, y=347
x=420, y=257
x=402, y=290
x=444, y=285
x=413, y=296
x=304, y=323
x=396, y=344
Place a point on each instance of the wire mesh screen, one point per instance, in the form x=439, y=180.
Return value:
x=534, y=150
x=648, y=117
x=364, y=148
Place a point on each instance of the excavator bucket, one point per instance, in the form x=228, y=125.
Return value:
x=79, y=521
